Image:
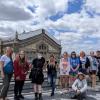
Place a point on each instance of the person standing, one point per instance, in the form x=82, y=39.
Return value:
x=93, y=68
x=64, y=72
x=84, y=63
x=75, y=63
x=98, y=61
x=21, y=68
x=52, y=73
x=6, y=65
x=37, y=76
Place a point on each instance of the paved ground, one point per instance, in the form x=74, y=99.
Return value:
x=91, y=95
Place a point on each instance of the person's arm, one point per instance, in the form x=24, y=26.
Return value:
x=16, y=69
x=78, y=65
x=85, y=87
x=1, y=67
x=69, y=67
x=74, y=85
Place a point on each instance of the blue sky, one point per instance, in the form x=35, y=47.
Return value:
x=76, y=23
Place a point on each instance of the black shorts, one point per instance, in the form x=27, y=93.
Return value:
x=92, y=72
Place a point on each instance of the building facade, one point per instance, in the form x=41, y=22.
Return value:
x=38, y=41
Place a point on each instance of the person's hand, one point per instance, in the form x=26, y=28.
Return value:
x=78, y=91
x=74, y=70
x=26, y=73
x=30, y=66
x=2, y=75
x=17, y=78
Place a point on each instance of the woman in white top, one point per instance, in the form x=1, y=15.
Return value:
x=80, y=87
x=64, y=71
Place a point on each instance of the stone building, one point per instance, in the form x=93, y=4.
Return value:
x=33, y=42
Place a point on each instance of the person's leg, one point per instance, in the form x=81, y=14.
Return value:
x=81, y=96
x=53, y=85
x=40, y=91
x=93, y=80
x=50, y=78
x=71, y=80
x=16, y=89
x=5, y=86
x=20, y=89
x=67, y=82
x=61, y=81
x=35, y=91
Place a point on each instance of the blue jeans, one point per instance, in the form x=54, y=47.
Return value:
x=52, y=82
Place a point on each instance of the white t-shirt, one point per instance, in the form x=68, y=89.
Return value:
x=5, y=59
x=80, y=85
x=66, y=63
x=93, y=63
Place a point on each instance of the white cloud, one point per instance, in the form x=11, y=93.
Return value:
x=93, y=5
x=80, y=24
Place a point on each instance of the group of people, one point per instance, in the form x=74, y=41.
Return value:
x=72, y=70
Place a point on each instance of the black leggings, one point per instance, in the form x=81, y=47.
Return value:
x=18, y=87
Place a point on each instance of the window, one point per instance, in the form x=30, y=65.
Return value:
x=42, y=47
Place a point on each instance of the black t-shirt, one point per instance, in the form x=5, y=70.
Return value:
x=51, y=69
x=86, y=64
x=38, y=63
x=98, y=60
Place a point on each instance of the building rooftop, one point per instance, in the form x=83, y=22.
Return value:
x=26, y=35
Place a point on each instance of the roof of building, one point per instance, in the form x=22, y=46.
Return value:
x=30, y=34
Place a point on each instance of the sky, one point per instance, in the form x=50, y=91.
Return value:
x=76, y=23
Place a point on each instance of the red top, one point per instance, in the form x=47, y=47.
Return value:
x=20, y=70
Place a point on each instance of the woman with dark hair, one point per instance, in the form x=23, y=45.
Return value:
x=52, y=73
x=21, y=68
x=74, y=63
x=37, y=76
x=84, y=63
